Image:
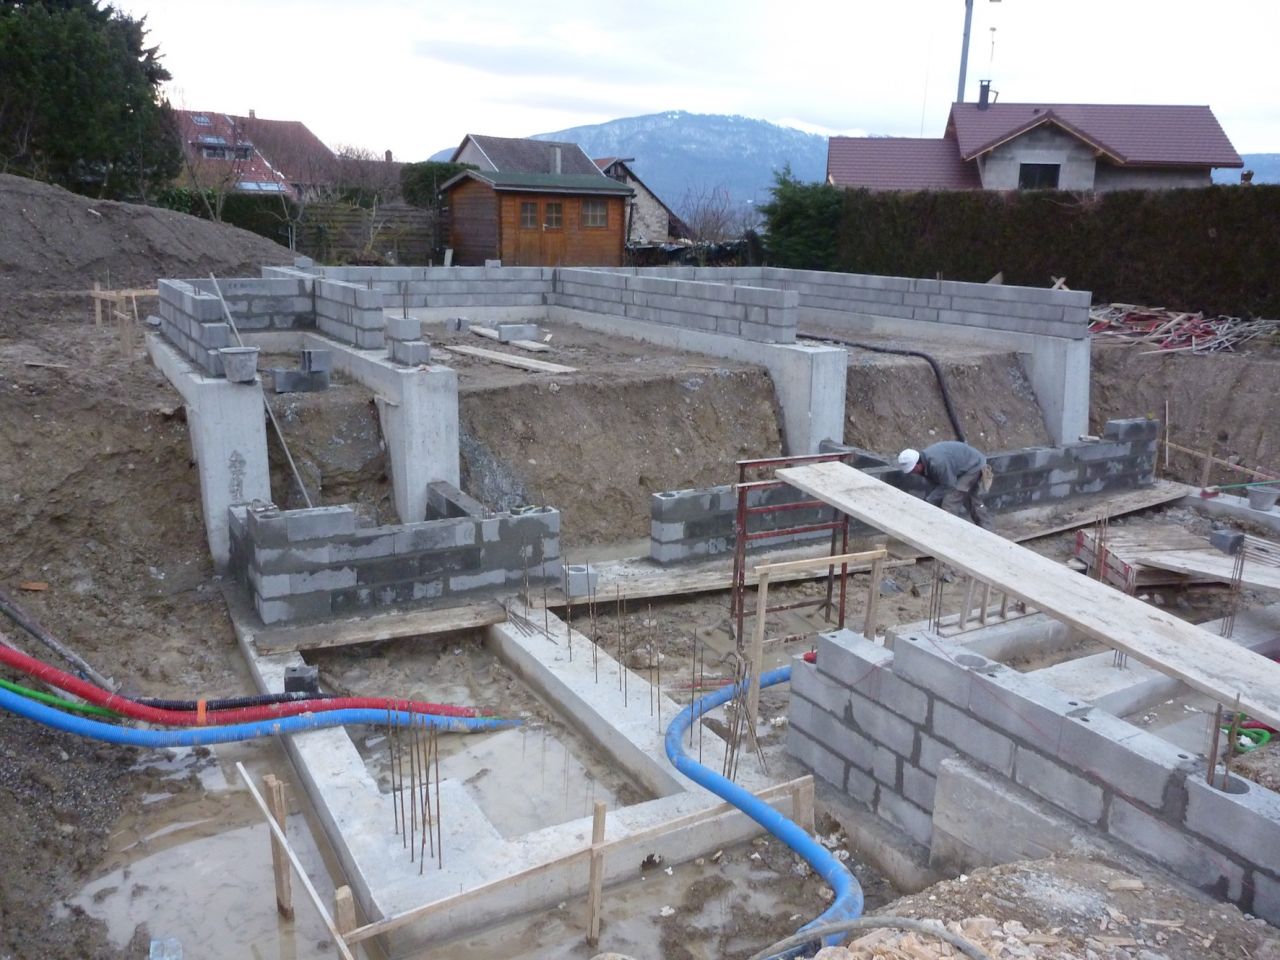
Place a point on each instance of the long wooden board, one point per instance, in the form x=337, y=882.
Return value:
x=1211, y=664
x=533, y=346
x=523, y=363
x=1202, y=563
x=386, y=626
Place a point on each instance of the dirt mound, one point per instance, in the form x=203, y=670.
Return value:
x=57, y=240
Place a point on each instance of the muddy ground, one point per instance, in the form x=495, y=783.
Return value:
x=99, y=499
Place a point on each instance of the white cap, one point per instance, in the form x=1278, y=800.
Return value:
x=908, y=459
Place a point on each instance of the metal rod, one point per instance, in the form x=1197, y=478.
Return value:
x=435, y=736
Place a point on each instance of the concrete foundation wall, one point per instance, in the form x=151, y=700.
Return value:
x=193, y=322
x=266, y=303
x=350, y=313
x=687, y=524
x=315, y=563
x=878, y=723
x=417, y=287
x=753, y=313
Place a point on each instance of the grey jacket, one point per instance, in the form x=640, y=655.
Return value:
x=945, y=462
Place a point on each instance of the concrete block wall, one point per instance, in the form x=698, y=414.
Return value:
x=1124, y=458
x=410, y=287
x=265, y=303
x=350, y=313
x=877, y=723
x=316, y=563
x=192, y=321
x=688, y=524
x=752, y=313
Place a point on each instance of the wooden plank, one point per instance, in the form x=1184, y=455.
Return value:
x=344, y=909
x=1211, y=664
x=387, y=626
x=533, y=346
x=757, y=645
x=396, y=921
x=522, y=363
x=822, y=563
x=339, y=941
x=487, y=332
x=1202, y=563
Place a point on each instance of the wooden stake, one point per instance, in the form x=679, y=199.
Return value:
x=757, y=649
x=802, y=804
x=873, y=599
x=97, y=304
x=344, y=910
x=279, y=864
x=595, y=891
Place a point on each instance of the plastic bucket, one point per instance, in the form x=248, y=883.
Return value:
x=240, y=364
x=1264, y=498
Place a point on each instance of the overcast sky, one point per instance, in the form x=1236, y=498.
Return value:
x=414, y=77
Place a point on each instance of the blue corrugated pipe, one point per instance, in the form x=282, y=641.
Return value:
x=847, y=904
x=202, y=736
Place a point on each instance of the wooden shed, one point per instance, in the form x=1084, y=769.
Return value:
x=536, y=219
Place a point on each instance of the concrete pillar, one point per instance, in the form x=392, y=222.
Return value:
x=1059, y=373
x=228, y=439
x=421, y=430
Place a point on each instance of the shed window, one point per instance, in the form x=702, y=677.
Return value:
x=1038, y=176
x=555, y=216
x=595, y=213
x=528, y=216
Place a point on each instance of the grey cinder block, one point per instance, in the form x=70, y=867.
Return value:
x=1245, y=818
x=318, y=522
x=1134, y=428
x=517, y=331
x=301, y=678
x=898, y=810
x=317, y=361
x=579, y=579
x=972, y=738
x=1134, y=763
x=411, y=353
x=1229, y=542
x=403, y=328
x=457, y=325
x=1058, y=785
x=936, y=665
x=299, y=381
x=1172, y=847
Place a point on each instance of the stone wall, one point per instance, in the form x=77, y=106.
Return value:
x=878, y=723
x=317, y=563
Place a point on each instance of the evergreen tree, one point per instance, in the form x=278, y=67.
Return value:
x=801, y=223
x=80, y=99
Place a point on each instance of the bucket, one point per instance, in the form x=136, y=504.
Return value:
x=240, y=364
x=1264, y=498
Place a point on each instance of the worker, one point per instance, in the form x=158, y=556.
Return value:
x=957, y=475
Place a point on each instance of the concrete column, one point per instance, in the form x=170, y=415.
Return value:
x=228, y=439
x=421, y=430
x=1059, y=373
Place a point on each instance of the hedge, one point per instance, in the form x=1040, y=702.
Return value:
x=1215, y=249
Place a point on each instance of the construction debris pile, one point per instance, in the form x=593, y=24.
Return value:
x=999, y=941
x=1168, y=330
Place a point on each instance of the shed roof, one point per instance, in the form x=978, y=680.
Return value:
x=568, y=183
x=520, y=155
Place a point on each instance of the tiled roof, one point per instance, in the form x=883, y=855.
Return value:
x=254, y=172
x=292, y=149
x=514, y=155
x=545, y=182
x=1132, y=134
x=899, y=163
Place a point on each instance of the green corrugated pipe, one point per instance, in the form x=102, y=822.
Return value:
x=58, y=701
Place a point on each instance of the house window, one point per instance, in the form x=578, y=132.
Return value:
x=200, y=120
x=214, y=153
x=528, y=216
x=595, y=213
x=1038, y=176
x=554, y=215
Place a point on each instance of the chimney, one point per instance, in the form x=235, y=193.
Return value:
x=388, y=156
x=252, y=115
x=984, y=94
x=555, y=159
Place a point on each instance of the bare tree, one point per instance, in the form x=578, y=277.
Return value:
x=708, y=212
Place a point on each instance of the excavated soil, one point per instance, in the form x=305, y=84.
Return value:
x=1223, y=404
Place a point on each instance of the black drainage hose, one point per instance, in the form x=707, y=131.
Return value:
x=937, y=372
x=233, y=703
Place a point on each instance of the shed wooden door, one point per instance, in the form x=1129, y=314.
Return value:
x=528, y=234
x=554, y=227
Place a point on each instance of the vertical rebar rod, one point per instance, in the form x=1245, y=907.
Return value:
x=404, y=824
x=702, y=679
x=435, y=736
x=617, y=607
x=395, y=816
x=413, y=785
x=568, y=618
x=429, y=825
x=1215, y=734
x=425, y=788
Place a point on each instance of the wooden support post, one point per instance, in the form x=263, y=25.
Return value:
x=756, y=654
x=802, y=804
x=344, y=910
x=984, y=603
x=595, y=892
x=873, y=599
x=968, y=605
x=279, y=865
x=97, y=304
x=1004, y=605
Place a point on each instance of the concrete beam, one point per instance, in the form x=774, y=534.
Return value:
x=228, y=440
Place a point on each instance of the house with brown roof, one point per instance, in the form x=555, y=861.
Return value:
x=1024, y=146
x=649, y=220
x=533, y=203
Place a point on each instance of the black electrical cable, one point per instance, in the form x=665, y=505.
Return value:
x=937, y=372
x=32, y=626
x=232, y=703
